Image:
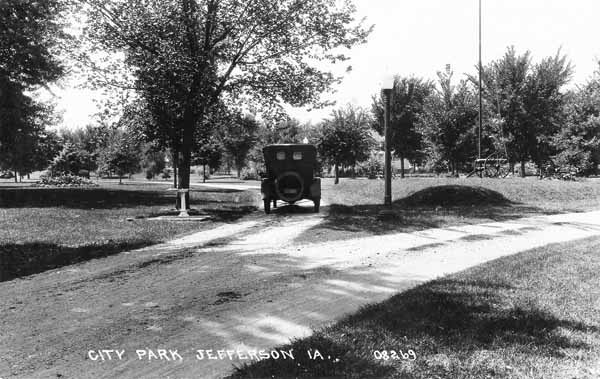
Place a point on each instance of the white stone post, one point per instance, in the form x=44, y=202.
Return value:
x=183, y=206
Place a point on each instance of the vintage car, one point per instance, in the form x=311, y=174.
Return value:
x=291, y=175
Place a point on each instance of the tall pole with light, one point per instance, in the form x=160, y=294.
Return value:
x=480, y=102
x=386, y=94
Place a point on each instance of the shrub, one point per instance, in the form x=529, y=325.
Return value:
x=371, y=168
x=166, y=173
x=64, y=181
x=84, y=174
x=248, y=174
x=72, y=160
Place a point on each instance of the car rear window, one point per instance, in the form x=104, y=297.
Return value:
x=281, y=155
x=297, y=155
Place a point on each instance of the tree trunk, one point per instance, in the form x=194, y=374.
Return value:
x=401, y=165
x=522, y=169
x=175, y=157
x=203, y=173
x=120, y=176
x=16, y=180
x=336, y=173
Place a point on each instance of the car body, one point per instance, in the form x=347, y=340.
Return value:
x=291, y=175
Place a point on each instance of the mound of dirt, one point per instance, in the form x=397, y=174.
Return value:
x=454, y=195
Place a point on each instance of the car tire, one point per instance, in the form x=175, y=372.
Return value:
x=285, y=197
x=267, y=203
x=317, y=202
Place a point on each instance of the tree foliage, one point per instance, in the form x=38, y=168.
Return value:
x=121, y=156
x=25, y=145
x=527, y=103
x=71, y=160
x=408, y=99
x=578, y=141
x=153, y=160
x=447, y=124
x=239, y=137
x=346, y=138
x=30, y=37
x=209, y=153
x=187, y=57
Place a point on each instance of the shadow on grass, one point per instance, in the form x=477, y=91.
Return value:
x=461, y=314
x=334, y=364
x=431, y=207
x=106, y=198
x=18, y=260
x=436, y=320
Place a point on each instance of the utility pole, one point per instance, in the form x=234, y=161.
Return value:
x=480, y=102
x=387, y=95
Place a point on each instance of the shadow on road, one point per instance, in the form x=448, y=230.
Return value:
x=285, y=209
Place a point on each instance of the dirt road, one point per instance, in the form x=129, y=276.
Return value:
x=243, y=286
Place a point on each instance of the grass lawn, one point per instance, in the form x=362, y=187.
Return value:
x=531, y=315
x=44, y=228
x=421, y=203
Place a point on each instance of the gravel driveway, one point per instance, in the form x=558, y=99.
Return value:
x=241, y=286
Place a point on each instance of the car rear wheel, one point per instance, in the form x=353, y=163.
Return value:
x=317, y=202
x=267, y=203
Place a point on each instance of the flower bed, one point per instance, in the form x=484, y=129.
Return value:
x=65, y=181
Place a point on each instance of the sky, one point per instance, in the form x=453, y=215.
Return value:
x=419, y=37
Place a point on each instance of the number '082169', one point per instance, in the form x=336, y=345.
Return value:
x=386, y=355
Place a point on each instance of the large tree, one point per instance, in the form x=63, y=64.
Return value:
x=447, y=123
x=578, y=140
x=187, y=56
x=30, y=36
x=345, y=138
x=527, y=103
x=408, y=98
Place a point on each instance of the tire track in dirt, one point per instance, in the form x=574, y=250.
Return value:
x=250, y=289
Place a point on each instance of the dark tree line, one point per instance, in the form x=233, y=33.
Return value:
x=527, y=116
x=196, y=70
